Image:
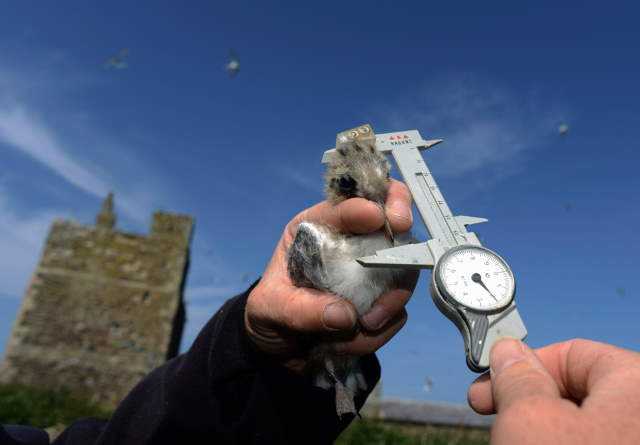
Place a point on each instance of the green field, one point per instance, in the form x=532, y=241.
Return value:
x=365, y=432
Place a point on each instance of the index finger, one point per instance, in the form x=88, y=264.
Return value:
x=583, y=370
x=588, y=370
x=358, y=215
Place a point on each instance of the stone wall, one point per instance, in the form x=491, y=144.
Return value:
x=103, y=308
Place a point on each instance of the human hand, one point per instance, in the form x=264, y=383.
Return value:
x=277, y=311
x=574, y=392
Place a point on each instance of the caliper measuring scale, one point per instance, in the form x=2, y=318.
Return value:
x=470, y=284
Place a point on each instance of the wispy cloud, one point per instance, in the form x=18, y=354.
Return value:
x=22, y=131
x=40, y=119
x=22, y=239
x=59, y=140
x=487, y=128
x=308, y=178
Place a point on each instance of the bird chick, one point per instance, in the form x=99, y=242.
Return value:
x=358, y=169
x=324, y=258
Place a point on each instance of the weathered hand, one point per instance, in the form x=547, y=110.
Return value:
x=277, y=311
x=578, y=392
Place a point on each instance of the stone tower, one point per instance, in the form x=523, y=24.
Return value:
x=103, y=308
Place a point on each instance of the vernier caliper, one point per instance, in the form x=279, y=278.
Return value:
x=470, y=284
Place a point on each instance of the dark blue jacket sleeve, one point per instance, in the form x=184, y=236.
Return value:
x=224, y=390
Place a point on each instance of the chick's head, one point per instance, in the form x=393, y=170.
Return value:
x=357, y=169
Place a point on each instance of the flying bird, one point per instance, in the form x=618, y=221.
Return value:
x=118, y=60
x=563, y=129
x=234, y=65
x=323, y=258
x=428, y=384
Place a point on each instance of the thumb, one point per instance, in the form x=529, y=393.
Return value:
x=517, y=373
x=298, y=309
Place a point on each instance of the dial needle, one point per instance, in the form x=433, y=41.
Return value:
x=478, y=279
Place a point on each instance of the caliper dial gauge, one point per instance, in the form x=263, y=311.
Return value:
x=474, y=287
x=476, y=278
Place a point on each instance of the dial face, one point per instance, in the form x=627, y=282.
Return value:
x=475, y=277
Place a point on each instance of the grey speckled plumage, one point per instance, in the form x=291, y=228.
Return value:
x=357, y=168
x=324, y=258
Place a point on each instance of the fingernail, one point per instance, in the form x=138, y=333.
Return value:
x=376, y=317
x=505, y=353
x=401, y=210
x=338, y=316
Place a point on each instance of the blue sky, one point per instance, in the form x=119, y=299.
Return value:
x=173, y=131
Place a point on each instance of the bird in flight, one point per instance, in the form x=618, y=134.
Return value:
x=118, y=60
x=234, y=64
x=428, y=384
x=563, y=129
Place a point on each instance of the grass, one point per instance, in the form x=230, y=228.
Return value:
x=373, y=433
x=43, y=408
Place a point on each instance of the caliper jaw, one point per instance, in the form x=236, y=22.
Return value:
x=409, y=256
x=415, y=256
x=468, y=220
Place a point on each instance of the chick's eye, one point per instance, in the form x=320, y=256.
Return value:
x=347, y=183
